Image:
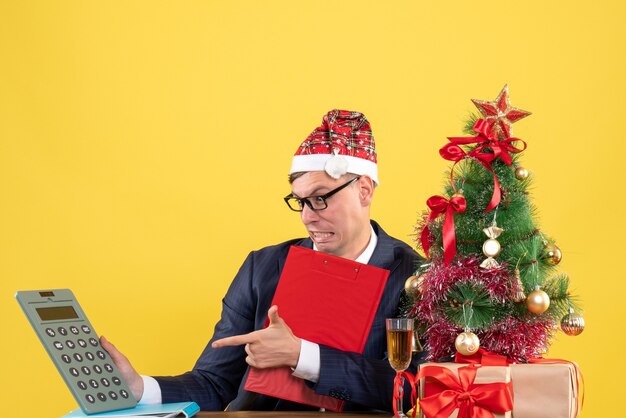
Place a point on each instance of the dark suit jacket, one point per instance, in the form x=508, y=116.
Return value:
x=365, y=381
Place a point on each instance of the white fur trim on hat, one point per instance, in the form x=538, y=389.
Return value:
x=318, y=162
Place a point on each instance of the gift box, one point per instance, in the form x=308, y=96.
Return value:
x=446, y=388
x=545, y=389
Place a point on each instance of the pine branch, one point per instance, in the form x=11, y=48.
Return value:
x=470, y=306
x=469, y=124
x=557, y=289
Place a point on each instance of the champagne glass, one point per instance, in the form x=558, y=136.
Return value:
x=399, y=338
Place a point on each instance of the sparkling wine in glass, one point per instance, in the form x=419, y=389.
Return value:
x=399, y=338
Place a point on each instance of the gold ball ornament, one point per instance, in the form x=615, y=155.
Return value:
x=572, y=324
x=467, y=343
x=521, y=173
x=491, y=247
x=538, y=301
x=553, y=254
x=413, y=285
x=459, y=194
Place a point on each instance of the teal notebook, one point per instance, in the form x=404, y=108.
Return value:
x=168, y=410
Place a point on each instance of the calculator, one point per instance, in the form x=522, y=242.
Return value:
x=74, y=347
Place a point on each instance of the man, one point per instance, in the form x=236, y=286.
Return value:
x=333, y=176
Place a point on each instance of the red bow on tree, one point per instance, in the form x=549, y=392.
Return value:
x=439, y=205
x=486, y=139
x=473, y=400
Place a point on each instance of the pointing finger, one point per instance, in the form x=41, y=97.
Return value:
x=234, y=340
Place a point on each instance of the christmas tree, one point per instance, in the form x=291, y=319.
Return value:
x=491, y=279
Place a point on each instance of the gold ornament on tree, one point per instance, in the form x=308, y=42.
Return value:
x=413, y=285
x=467, y=343
x=572, y=324
x=552, y=253
x=491, y=247
x=416, y=345
x=521, y=173
x=538, y=301
x=519, y=294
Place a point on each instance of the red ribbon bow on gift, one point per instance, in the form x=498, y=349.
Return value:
x=474, y=400
x=438, y=206
x=486, y=139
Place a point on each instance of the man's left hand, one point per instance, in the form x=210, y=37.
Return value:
x=274, y=346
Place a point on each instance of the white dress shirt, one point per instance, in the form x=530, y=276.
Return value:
x=308, y=366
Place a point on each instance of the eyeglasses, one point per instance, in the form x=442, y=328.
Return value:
x=314, y=203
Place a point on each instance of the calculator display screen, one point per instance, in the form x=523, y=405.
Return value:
x=56, y=313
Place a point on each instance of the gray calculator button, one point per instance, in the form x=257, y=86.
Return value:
x=116, y=380
x=58, y=345
x=66, y=358
x=74, y=330
x=93, y=384
x=97, y=369
x=85, y=329
x=89, y=356
x=101, y=355
x=74, y=372
x=82, y=385
x=113, y=395
x=50, y=332
x=124, y=394
x=101, y=396
x=82, y=343
x=86, y=370
x=90, y=399
x=70, y=344
x=93, y=342
x=105, y=382
x=62, y=331
x=108, y=367
x=78, y=357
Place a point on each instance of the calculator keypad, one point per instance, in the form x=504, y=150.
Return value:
x=93, y=374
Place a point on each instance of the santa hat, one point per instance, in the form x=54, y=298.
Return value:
x=342, y=144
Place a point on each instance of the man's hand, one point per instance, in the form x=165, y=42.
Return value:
x=273, y=346
x=130, y=375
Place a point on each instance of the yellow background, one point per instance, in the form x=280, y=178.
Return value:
x=144, y=148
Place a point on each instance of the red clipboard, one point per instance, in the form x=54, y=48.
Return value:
x=327, y=300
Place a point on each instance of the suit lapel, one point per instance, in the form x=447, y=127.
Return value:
x=383, y=255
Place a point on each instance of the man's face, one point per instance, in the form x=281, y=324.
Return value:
x=342, y=228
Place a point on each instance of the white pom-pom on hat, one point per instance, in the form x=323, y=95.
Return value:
x=337, y=165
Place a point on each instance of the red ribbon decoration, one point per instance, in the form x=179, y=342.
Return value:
x=452, y=152
x=439, y=205
x=486, y=139
x=483, y=357
x=473, y=400
x=398, y=391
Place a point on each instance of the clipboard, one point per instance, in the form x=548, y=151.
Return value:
x=327, y=300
